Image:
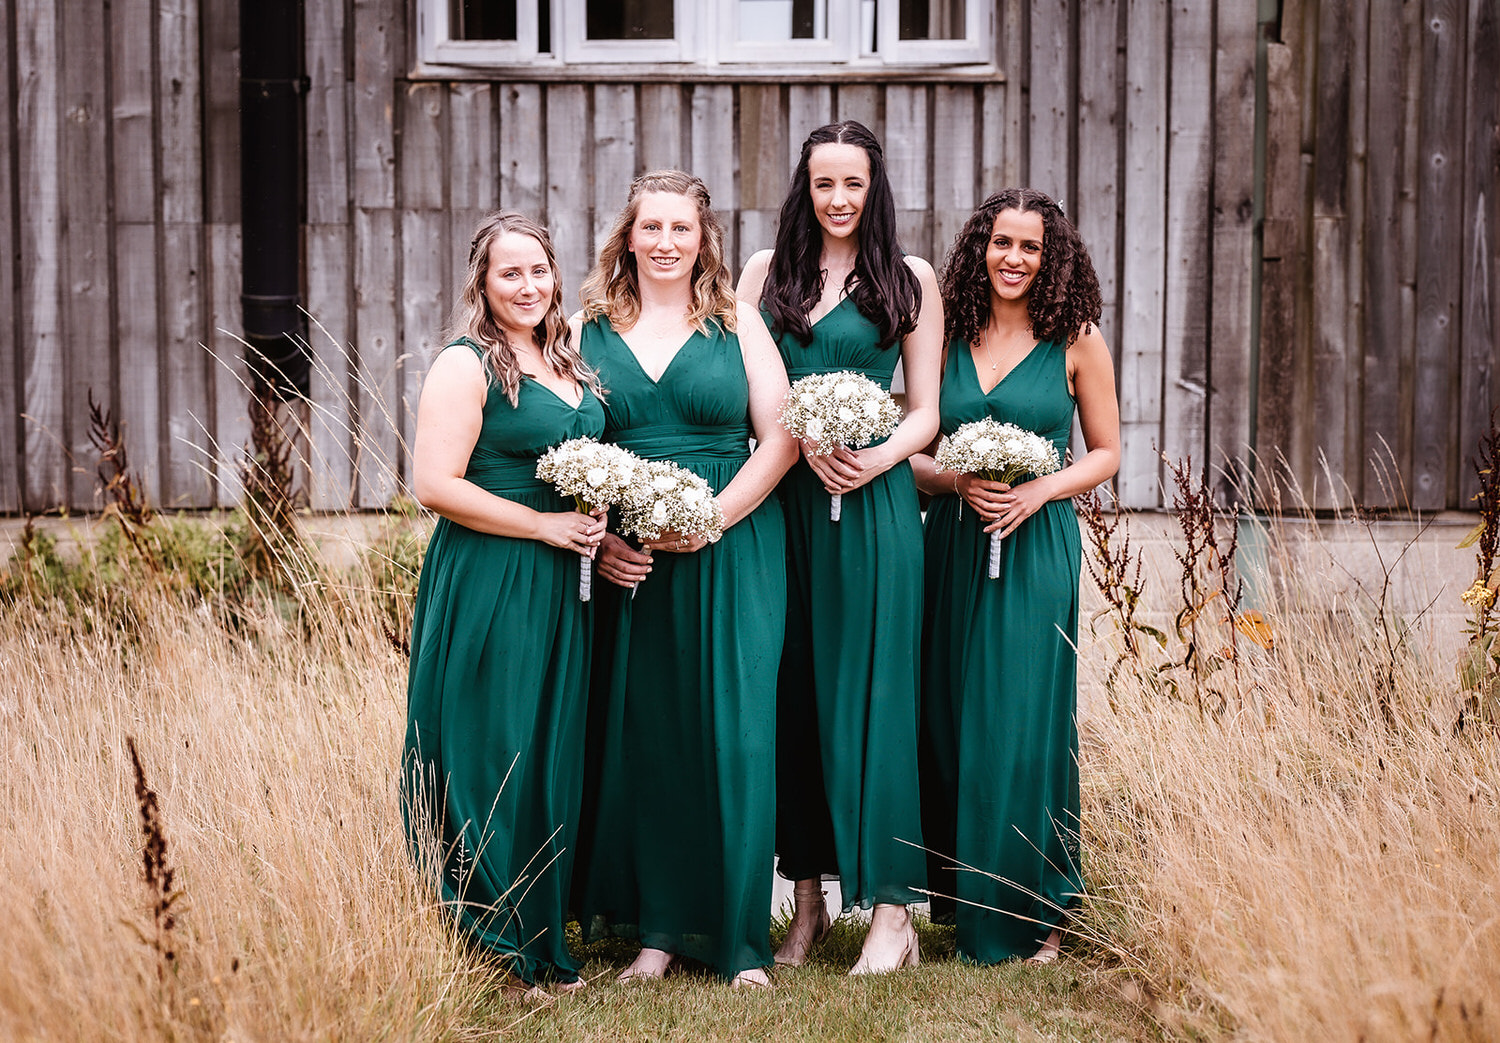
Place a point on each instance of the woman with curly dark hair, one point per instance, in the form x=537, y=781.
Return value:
x=839, y=294
x=999, y=671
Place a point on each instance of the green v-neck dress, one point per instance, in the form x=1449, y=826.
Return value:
x=682, y=729
x=497, y=699
x=847, y=800
x=999, y=685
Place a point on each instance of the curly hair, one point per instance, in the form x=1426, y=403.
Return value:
x=884, y=289
x=1063, y=297
x=613, y=288
x=473, y=321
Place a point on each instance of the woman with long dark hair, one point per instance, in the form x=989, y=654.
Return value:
x=680, y=834
x=839, y=294
x=497, y=685
x=999, y=691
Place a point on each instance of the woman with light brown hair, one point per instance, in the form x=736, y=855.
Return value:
x=497, y=686
x=679, y=845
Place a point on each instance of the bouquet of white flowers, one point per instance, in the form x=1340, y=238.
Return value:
x=665, y=496
x=842, y=409
x=997, y=452
x=596, y=475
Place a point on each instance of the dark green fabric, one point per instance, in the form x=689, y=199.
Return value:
x=1000, y=739
x=496, y=693
x=847, y=797
x=683, y=712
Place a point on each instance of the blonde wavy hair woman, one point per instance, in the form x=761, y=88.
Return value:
x=613, y=288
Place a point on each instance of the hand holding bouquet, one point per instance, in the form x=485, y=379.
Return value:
x=664, y=496
x=829, y=411
x=597, y=476
x=999, y=453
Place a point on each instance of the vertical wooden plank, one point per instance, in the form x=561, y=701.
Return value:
x=10, y=429
x=614, y=154
x=809, y=106
x=1439, y=265
x=1004, y=146
x=522, y=181
x=332, y=434
x=1142, y=286
x=861, y=101
x=38, y=104
x=568, y=188
x=228, y=374
x=473, y=185
x=956, y=179
x=1052, y=54
x=908, y=151
x=1190, y=283
x=187, y=481
x=376, y=63
x=1479, y=391
x=424, y=305
x=133, y=187
x=713, y=152
x=330, y=334
x=425, y=160
x=1095, y=209
x=764, y=162
x=376, y=444
x=660, y=131
x=231, y=377
x=1232, y=226
x=423, y=156
x=88, y=337
x=1386, y=418
x=1283, y=354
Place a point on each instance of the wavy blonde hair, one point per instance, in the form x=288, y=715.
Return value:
x=472, y=319
x=613, y=288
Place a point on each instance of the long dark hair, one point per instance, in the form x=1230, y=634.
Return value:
x=1063, y=297
x=884, y=289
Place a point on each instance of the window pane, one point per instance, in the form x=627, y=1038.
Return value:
x=629, y=20
x=783, y=19
x=932, y=19
x=482, y=19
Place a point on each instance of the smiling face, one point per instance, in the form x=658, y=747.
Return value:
x=665, y=236
x=518, y=285
x=1014, y=255
x=838, y=181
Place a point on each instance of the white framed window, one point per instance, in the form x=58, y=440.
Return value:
x=701, y=34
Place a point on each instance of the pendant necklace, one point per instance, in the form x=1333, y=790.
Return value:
x=984, y=338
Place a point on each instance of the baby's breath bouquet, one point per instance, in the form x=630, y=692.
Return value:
x=842, y=409
x=997, y=452
x=665, y=496
x=596, y=475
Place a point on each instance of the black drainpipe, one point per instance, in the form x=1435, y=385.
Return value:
x=272, y=87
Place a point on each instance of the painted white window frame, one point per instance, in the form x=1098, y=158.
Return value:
x=707, y=35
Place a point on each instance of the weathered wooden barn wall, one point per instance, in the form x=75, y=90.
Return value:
x=1369, y=323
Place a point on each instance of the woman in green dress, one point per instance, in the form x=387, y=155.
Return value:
x=683, y=724
x=1000, y=738
x=497, y=689
x=838, y=294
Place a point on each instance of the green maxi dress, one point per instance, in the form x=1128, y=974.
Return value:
x=684, y=695
x=999, y=686
x=497, y=700
x=847, y=802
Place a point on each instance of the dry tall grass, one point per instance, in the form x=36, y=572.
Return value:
x=1318, y=860
x=273, y=754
